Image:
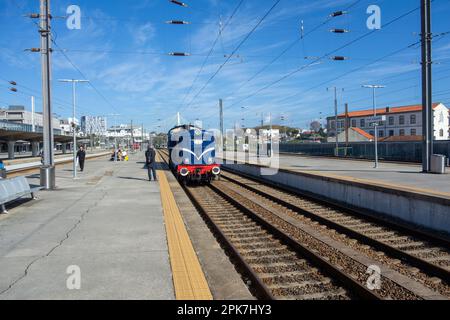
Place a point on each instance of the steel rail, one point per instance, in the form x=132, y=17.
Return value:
x=430, y=268
x=262, y=290
x=346, y=280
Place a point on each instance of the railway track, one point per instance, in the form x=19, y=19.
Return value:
x=291, y=247
x=34, y=168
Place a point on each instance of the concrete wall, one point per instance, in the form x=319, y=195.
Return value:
x=422, y=210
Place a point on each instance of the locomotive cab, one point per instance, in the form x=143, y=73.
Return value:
x=192, y=154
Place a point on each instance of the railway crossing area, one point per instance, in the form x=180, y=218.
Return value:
x=112, y=234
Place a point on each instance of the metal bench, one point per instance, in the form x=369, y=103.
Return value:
x=13, y=189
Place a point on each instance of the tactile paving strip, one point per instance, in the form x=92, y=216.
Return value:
x=188, y=277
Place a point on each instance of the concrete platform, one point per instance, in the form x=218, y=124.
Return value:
x=395, y=174
x=397, y=191
x=109, y=223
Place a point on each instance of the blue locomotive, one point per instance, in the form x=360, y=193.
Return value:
x=193, y=154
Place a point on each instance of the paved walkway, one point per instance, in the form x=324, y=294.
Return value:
x=406, y=175
x=109, y=224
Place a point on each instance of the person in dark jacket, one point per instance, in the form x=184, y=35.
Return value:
x=150, y=156
x=81, y=156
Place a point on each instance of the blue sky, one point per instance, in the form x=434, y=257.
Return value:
x=122, y=49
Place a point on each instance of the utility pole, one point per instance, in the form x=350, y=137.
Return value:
x=74, y=131
x=271, y=134
x=336, y=118
x=427, y=103
x=347, y=125
x=375, y=123
x=142, y=137
x=132, y=135
x=33, y=126
x=47, y=171
x=221, y=122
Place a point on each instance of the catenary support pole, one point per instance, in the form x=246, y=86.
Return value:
x=427, y=103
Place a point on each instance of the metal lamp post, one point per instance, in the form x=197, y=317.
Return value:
x=374, y=87
x=74, y=82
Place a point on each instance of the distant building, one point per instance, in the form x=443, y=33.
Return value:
x=94, y=125
x=400, y=122
x=66, y=127
x=124, y=132
x=18, y=114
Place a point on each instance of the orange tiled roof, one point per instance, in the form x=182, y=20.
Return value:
x=384, y=111
x=363, y=133
x=401, y=138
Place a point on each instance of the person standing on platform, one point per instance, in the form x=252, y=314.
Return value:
x=150, y=156
x=81, y=156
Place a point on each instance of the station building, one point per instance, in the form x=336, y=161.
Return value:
x=403, y=121
x=18, y=114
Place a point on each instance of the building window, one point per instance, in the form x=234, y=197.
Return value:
x=413, y=132
x=391, y=121
x=354, y=123
x=391, y=133
x=441, y=133
x=402, y=120
x=372, y=133
x=381, y=133
x=362, y=123
x=413, y=119
x=333, y=125
x=402, y=132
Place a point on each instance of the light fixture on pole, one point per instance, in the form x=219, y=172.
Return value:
x=74, y=82
x=336, y=119
x=375, y=119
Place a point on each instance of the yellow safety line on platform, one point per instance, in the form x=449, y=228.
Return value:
x=188, y=278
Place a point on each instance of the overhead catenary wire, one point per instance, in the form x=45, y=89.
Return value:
x=234, y=51
x=383, y=58
x=315, y=61
x=85, y=78
x=288, y=48
x=37, y=95
x=211, y=50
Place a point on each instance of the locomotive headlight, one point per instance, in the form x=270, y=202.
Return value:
x=210, y=160
x=184, y=172
x=187, y=161
x=216, y=171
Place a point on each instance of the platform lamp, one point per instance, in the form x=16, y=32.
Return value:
x=74, y=82
x=375, y=122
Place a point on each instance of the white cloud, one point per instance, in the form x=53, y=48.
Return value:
x=143, y=34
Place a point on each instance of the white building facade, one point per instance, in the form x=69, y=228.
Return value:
x=125, y=132
x=94, y=125
x=400, y=121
